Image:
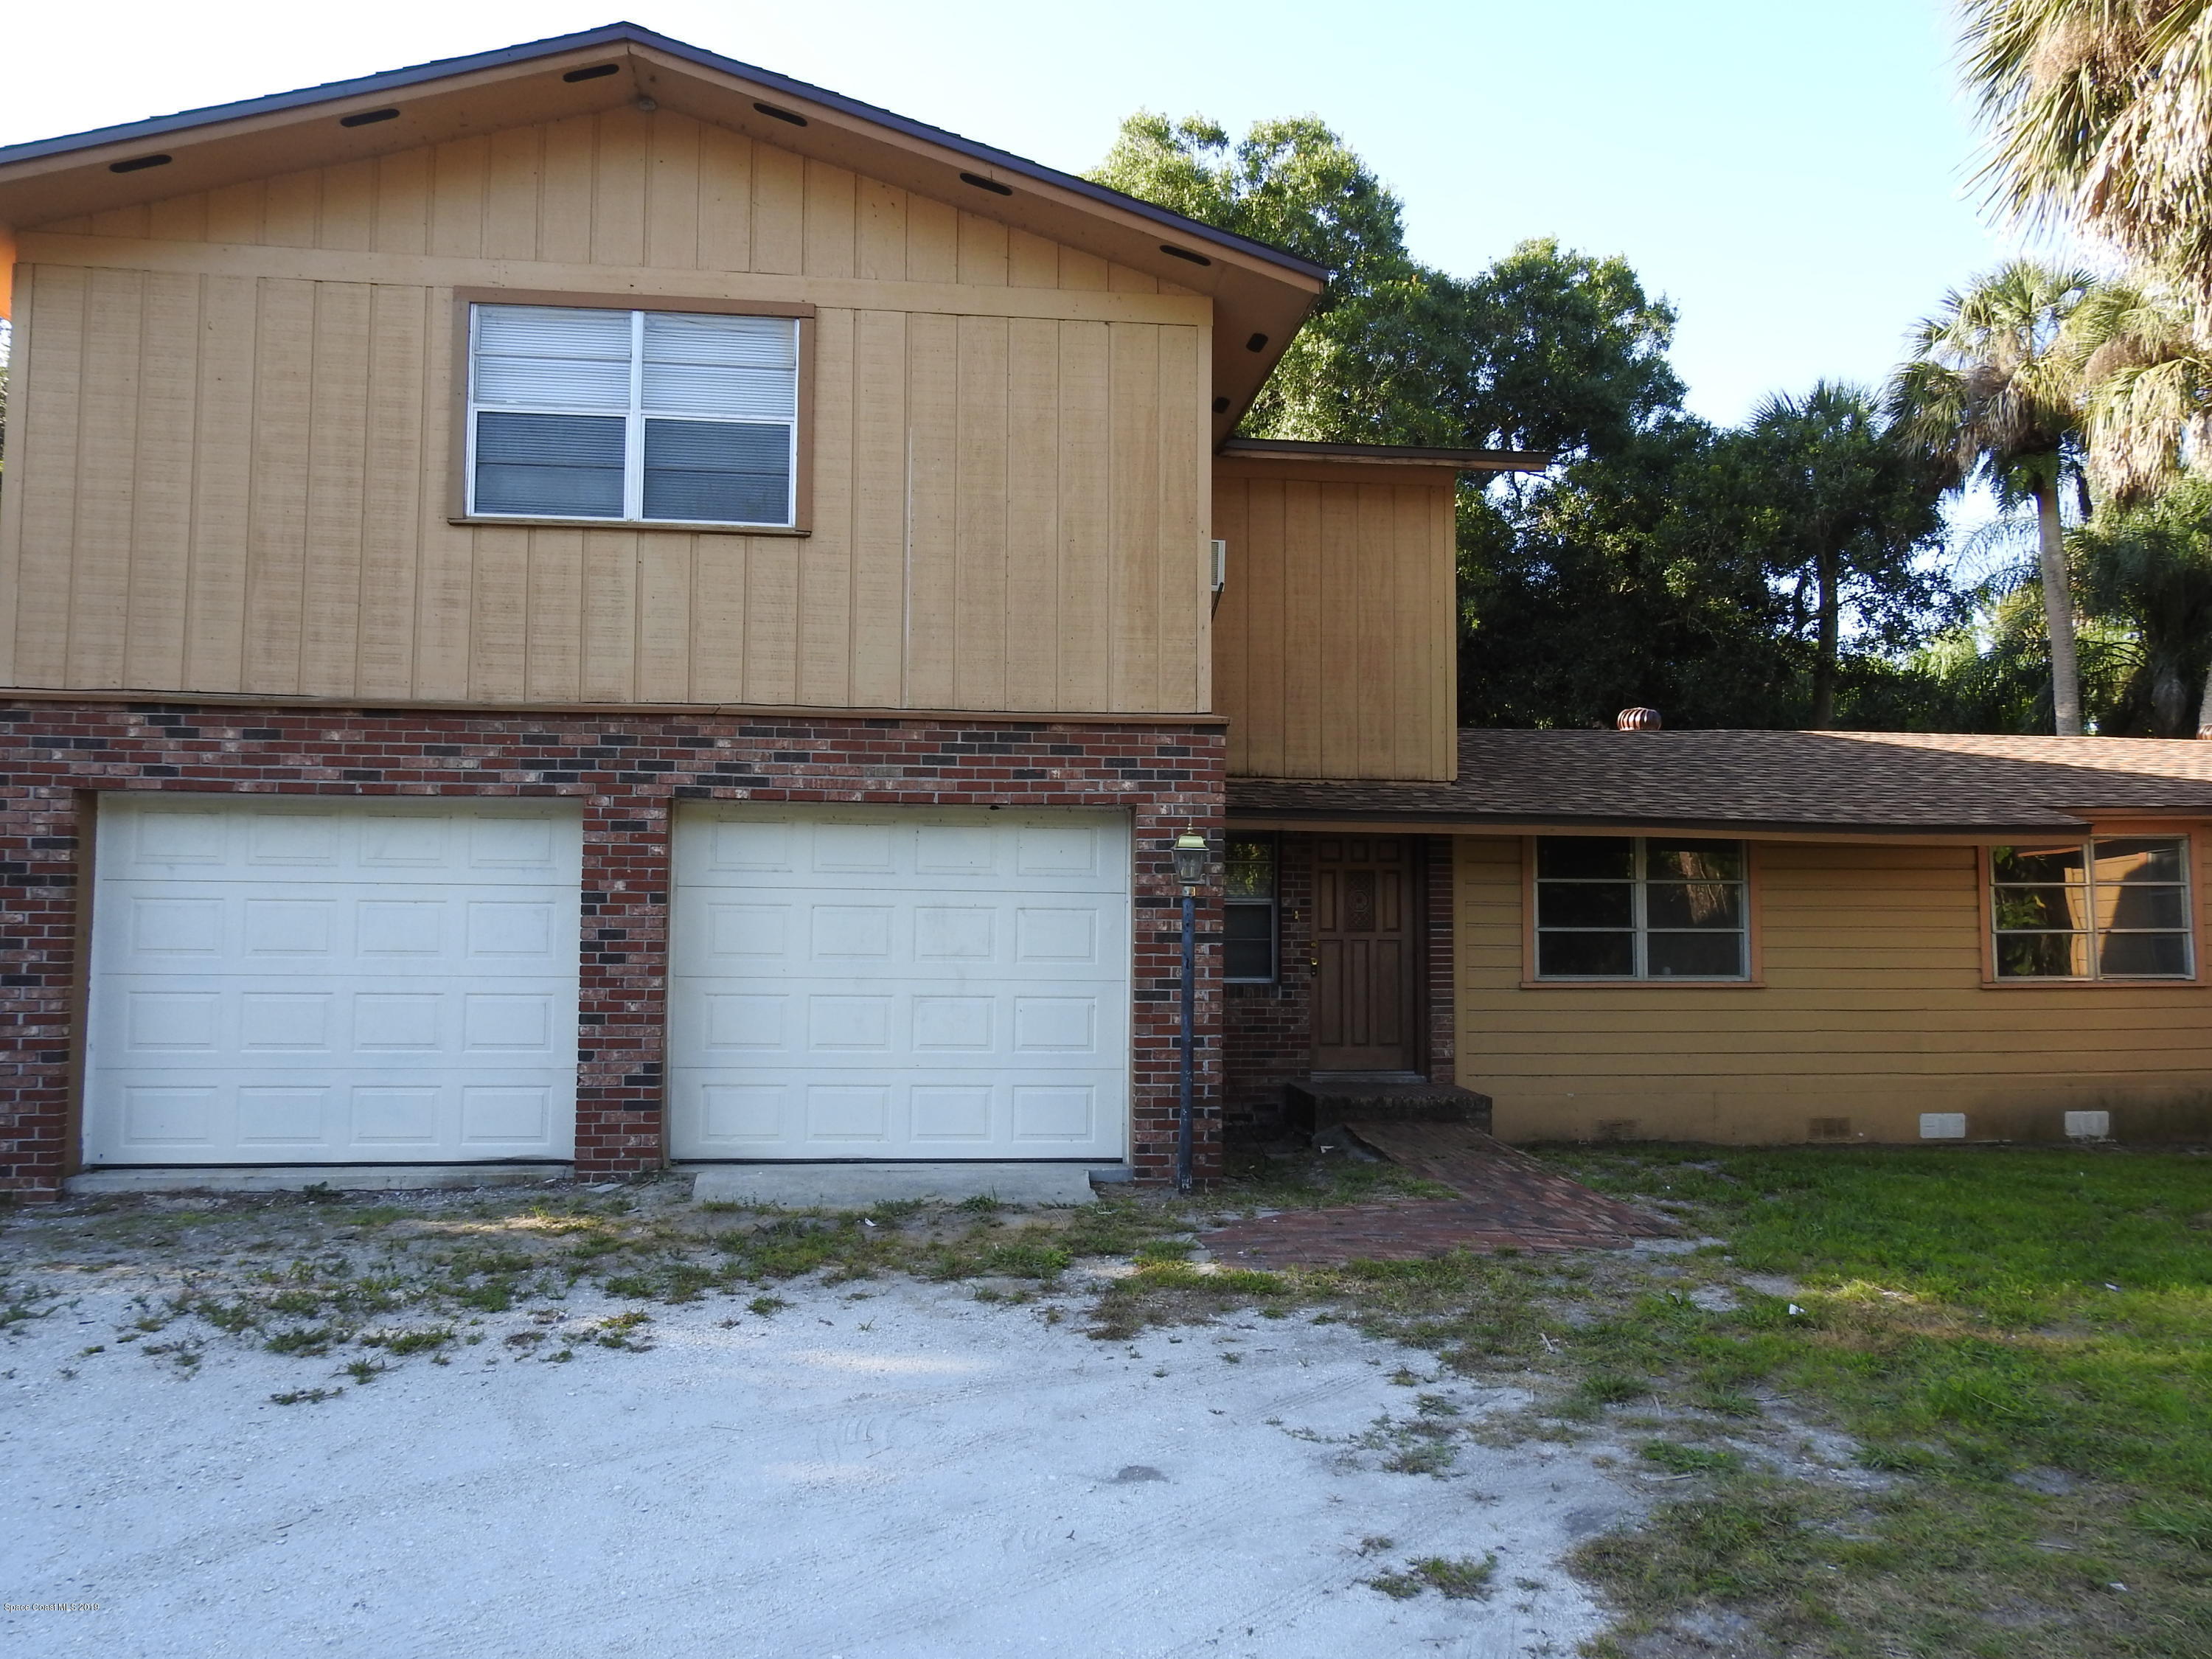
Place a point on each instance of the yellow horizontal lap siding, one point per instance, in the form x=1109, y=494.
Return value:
x=1871, y=1007
x=233, y=417
x=1334, y=642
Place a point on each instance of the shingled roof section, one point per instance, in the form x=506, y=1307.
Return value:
x=1898, y=782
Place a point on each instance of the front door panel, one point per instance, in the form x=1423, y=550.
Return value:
x=1364, y=954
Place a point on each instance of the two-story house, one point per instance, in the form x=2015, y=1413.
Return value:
x=593, y=606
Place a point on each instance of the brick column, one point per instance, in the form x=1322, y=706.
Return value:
x=1156, y=1058
x=621, y=1004
x=39, y=931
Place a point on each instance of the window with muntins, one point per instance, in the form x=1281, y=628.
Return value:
x=1634, y=907
x=638, y=416
x=1249, y=932
x=2114, y=907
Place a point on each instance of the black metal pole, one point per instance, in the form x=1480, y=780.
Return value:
x=1189, y=1020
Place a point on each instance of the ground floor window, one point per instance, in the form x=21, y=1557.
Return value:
x=2114, y=907
x=1636, y=907
x=1249, y=928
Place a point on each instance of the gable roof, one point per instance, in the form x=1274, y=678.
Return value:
x=1262, y=294
x=1883, y=782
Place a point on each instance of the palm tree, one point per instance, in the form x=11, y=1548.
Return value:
x=2148, y=374
x=1853, y=507
x=2101, y=111
x=1989, y=395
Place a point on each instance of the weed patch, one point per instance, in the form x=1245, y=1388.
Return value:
x=1458, y=1578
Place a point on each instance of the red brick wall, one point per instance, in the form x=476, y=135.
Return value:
x=625, y=770
x=1267, y=1030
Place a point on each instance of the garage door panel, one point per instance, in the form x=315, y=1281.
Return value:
x=948, y=1114
x=926, y=935
x=899, y=983
x=417, y=1003
x=279, y=843
x=149, y=1118
x=919, y=1026
x=399, y=930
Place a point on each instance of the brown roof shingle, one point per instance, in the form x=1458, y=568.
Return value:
x=1892, y=782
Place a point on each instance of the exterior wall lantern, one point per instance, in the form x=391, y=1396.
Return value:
x=1190, y=857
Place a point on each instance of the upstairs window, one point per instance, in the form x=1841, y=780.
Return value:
x=1634, y=907
x=637, y=417
x=2114, y=907
x=1250, y=930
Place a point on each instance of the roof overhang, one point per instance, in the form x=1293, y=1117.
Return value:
x=1261, y=295
x=1383, y=821
x=1296, y=451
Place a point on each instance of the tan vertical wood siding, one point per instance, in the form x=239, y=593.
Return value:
x=1334, y=645
x=1872, y=1009
x=232, y=424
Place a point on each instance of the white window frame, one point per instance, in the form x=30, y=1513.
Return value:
x=1639, y=919
x=633, y=512
x=1273, y=905
x=2096, y=976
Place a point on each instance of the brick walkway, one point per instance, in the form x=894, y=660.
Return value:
x=1512, y=1202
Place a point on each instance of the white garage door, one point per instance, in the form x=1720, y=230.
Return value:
x=940, y=984
x=310, y=981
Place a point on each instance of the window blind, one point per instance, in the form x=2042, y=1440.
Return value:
x=645, y=416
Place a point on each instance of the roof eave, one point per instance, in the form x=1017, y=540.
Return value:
x=1464, y=460
x=1249, y=815
x=135, y=133
x=1260, y=295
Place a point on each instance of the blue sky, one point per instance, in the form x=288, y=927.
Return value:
x=1793, y=174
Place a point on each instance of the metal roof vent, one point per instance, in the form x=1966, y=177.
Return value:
x=1637, y=719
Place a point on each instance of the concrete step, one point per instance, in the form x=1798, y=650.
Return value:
x=858, y=1186
x=1320, y=1104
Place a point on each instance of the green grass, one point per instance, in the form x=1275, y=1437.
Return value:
x=2009, y=1308
x=2020, y=1341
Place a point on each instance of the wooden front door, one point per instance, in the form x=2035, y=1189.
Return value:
x=1364, y=961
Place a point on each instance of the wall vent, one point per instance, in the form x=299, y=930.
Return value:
x=1829, y=1128
x=2088, y=1126
x=1942, y=1126
x=1617, y=1128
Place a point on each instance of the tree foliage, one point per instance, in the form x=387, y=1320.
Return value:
x=1990, y=395
x=1845, y=511
x=2149, y=568
x=1547, y=349
x=2100, y=115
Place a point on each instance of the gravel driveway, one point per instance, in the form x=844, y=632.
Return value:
x=894, y=1470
